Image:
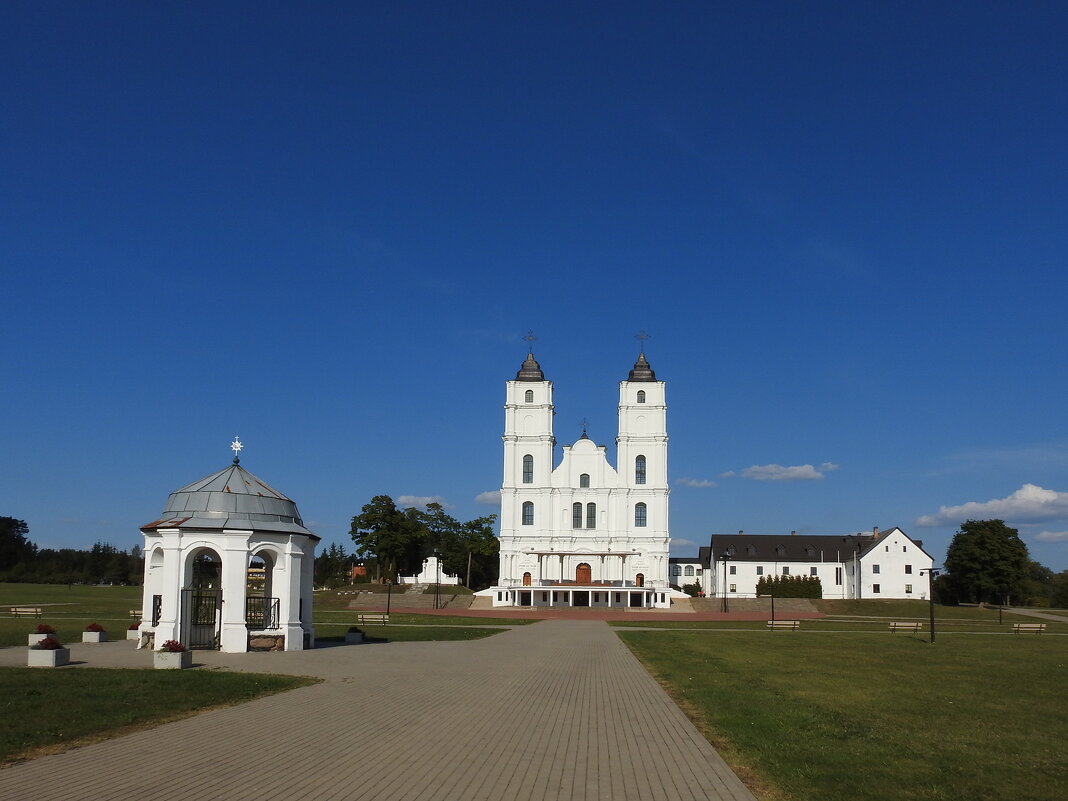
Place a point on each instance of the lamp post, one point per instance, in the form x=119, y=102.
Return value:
x=772, y=605
x=932, y=574
x=389, y=592
x=726, y=604
x=437, y=583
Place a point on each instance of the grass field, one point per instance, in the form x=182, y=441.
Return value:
x=44, y=711
x=873, y=717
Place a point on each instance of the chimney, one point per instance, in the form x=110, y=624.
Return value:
x=741, y=533
x=793, y=533
x=875, y=532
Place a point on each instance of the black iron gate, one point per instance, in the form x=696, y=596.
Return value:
x=201, y=618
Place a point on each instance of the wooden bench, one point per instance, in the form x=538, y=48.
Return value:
x=900, y=625
x=784, y=624
x=26, y=611
x=372, y=617
x=1028, y=628
x=136, y=613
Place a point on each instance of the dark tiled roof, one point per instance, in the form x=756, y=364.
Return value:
x=798, y=547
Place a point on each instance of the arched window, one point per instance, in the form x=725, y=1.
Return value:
x=689, y=570
x=640, y=515
x=641, y=396
x=576, y=515
x=526, y=579
x=639, y=470
x=529, y=396
x=591, y=515
x=528, y=469
x=584, y=480
x=780, y=550
x=676, y=570
x=528, y=513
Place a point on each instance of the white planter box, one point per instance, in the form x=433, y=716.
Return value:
x=42, y=658
x=353, y=636
x=36, y=638
x=166, y=660
x=133, y=634
x=94, y=636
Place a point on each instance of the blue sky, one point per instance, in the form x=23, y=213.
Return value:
x=325, y=228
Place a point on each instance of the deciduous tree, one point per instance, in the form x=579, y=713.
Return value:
x=985, y=560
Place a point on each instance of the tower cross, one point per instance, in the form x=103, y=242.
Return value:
x=530, y=341
x=641, y=336
x=236, y=446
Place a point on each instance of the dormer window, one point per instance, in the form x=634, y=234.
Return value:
x=641, y=396
x=584, y=481
x=780, y=550
x=529, y=396
x=750, y=550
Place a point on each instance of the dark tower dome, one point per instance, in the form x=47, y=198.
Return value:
x=642, y=371
x=530, y=371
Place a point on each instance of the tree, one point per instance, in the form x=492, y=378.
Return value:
x=1058, y=593
x=383, y=531
x=986, y=560
x=15, y=545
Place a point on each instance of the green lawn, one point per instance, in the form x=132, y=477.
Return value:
x=49, y=710
x=813, y=716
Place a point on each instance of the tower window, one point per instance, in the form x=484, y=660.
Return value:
x=639, y=470
x=528, y=513
x=576, y=515
x=640, y=515
x=584, y=480
x=528, y=469
x=591, y=515
x=529, y=396
x=641, y=396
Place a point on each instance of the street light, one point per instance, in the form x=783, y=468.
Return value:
x=772, y=605
x=726, y=605
x=437, y=584
x=389, y=592
x=932, y=574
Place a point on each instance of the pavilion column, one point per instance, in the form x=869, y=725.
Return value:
x=234, y=636
x=170, y=589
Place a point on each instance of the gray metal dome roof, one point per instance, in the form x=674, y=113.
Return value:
x=642, y=371
x=530, y=371
x=231, y=498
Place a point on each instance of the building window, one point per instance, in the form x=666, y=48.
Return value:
x=734, y=588
x=908, y=570
x=760, y=570
x=576, y=515
x=838, y=576
x=689, y=570
x=640, y=515
x=676, y=570
x=780, y=550
x=639, y=470
x=591, y=515
x=641, y=396
x=528, y=469
x=734, y=570
x=875, y=588
x=888, y=549
x=544, y=597
x=786, y=571
x=812, y=571
x=617, y=597
x=528, y=513
x=584, y=481
x=750, y=550
x=908, y=589
x=529, y=397
x=596, y=597
x=874, y=568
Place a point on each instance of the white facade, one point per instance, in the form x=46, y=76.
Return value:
x=584, y=533
x=430, y=574
x=878, y=565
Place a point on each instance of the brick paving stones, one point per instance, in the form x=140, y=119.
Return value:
x=553, y=711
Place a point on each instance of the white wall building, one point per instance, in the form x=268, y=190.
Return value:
x=582, y=532
x=884, y=564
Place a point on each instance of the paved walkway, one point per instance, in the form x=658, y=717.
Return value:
x=553, y=710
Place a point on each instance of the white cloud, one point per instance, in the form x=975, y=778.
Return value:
x=491, y=498
x=1052, y=536
x=405, y=501
x=676, y=541
x=1030, y=502
x=777, y=472
x=728, y=474
x=695, y=482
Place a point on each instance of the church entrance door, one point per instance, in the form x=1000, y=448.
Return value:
x=636, y=599
x=524, y=597
x=581, y=598
x=583, y=576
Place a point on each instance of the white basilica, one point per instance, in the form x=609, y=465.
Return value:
x=584, y=533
